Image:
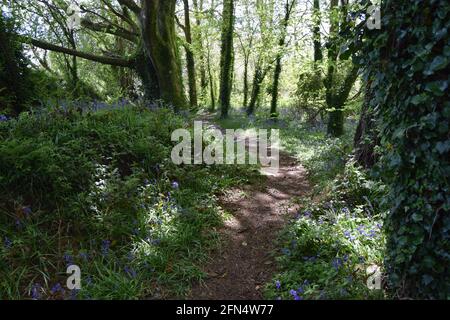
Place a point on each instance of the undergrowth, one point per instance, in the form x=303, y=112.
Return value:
x=99, y=190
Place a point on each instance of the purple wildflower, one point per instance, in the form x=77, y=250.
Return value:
x=56, y=289
x=84, y=256
x=68, y=259
x=7, y=243
x=130, y=272
x=175, y=185
x=337, y=263
x=27, y=211
x=105, y=247
x=3, y=118
x=36, y=291
x=278, y=284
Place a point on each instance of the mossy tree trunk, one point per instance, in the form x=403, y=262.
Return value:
x=190, y=60
x=366, y=136
x=198, y=36
x=278, y=68
x=337, y=93
x=158, y=35
x=226, y=61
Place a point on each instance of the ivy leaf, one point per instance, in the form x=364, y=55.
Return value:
x=443, y=147
x=427, y=279
x=418, y=99
x=439, y=63
x=437, y=87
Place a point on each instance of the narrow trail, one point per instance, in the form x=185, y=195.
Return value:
x=244, y=264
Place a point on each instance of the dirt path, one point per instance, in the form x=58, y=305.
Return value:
x=244, y=263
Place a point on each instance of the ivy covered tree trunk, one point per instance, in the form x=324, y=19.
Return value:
x=411, y=89
x=190, y=57
x=160, y=44
x=281, y=45
x=318, y=55
x=198, y=7
x=366, y=136
x=226, y=61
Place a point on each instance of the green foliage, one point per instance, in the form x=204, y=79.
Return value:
x=330, y=244
x=408, y=60
x=15, y=84
x=99, y=190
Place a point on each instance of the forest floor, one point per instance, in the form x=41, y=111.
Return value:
x=244, y=263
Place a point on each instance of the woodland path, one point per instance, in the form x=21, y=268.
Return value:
x=244, y=263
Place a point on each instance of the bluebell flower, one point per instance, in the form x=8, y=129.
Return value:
x=56, y=289
x=343, y=292
x=156, y=242
x=36, y=291
x=3, y=118
x=278, y=284
x=130, y=256
x=337, y=263
x=175, y=185
x=307, y=214
x=74, y=294
x=27, y=211
x=84, y=256
x=7, y=243
x=68, y=259
x=130, y=272
x=105, y=247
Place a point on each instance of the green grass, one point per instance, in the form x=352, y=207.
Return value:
x=98, y=190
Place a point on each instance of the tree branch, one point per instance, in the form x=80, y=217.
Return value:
x=84, y=55
x=130, y=4
x=110, y=29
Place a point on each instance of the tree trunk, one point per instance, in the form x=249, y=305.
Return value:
x=190, y=57
x=257, y=82
x=336, y=95
x=246, y=62
x=275, y=86
x=226, y=61
x=337, y=101
x=366, y=136
x=277, y=72
x=158, y=32
x=198, y=7
x=318, y=56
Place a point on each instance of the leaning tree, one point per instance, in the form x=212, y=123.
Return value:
x=149, y=28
